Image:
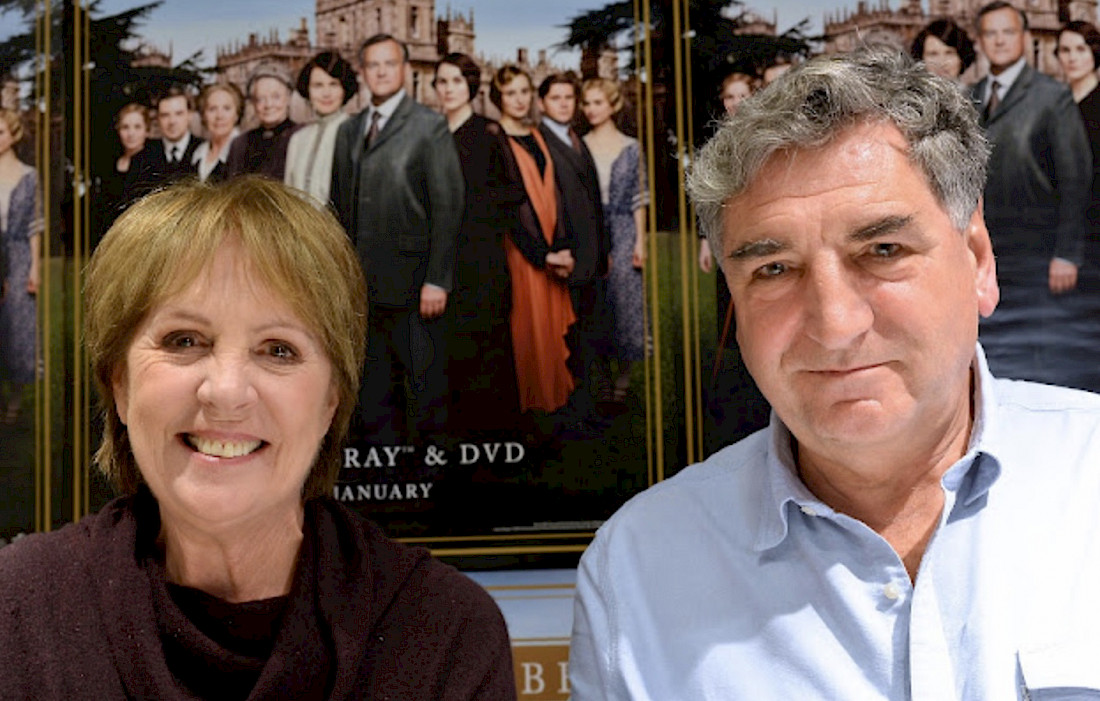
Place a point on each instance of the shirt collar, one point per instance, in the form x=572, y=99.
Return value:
x=1009, y=75
x=560, y=130
x=182, y=144
x=970, y=478
x=386, y=108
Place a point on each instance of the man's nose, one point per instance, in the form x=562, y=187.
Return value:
x=837, y=309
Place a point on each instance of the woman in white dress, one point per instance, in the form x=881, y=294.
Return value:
x=328, y=82
x=221, y=107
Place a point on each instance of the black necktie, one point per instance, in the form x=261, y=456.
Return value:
x=372, y=133
x=175, y=155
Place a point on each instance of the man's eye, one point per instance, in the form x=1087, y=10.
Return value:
x=885, y=250
x=770, y=270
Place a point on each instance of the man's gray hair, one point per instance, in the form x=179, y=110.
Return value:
x=810, y=105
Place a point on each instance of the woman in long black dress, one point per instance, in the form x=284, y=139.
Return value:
x=132, y=124
x=263, y=149
x=1078, y=52
x=480, y=363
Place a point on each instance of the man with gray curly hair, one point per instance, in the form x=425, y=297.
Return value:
x=908, y=526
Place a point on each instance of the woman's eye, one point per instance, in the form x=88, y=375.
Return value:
x=180, y=340
x=281, y=350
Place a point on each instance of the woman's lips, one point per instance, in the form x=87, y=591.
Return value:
x=219, y=448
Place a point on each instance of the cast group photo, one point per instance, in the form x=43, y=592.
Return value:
x=683, y=361
x=503, y=257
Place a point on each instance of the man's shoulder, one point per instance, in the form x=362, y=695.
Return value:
x=1033, y=398
x=726, y=490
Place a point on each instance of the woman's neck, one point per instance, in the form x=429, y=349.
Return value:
x=1083, y=86
x=244, y=563
x=217, y=143
x=513, y=126
x=458, y=117
x=605, y=130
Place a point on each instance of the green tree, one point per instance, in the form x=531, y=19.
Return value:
x=718, y=46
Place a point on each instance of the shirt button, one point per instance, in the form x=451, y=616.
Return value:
x=891, y=591
x=808, y=510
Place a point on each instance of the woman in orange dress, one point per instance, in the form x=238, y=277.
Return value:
x=538, y=253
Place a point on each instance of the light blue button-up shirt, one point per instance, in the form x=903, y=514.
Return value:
x=732, y=581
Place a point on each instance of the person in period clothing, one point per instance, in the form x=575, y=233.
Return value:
x=1035, y=204
x=21, y=227
x=132, y=124
x=624, y=197
x=480, y=364
x=328, y=82
x=397, y=189
x=167, y=159
x=227, y=570
x=1078, y=52
x=263, y=149
x=908, y=526
x=734, y=406
x=945, y=48
x=221, y=107
x=578, y=184
x=539, y=254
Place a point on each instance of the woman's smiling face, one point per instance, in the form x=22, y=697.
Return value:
x=226, y=395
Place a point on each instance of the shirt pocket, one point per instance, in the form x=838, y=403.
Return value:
x=1061, y=672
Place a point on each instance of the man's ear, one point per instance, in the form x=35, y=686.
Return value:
x=985, y=264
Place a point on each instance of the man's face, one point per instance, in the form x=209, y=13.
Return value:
x=857, y=300
x=560, y=103
x=1002, y=38
x=383, y=70
x=173, y=117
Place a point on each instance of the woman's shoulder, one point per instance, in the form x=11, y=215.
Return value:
x=41, y=565
x=406, y=573
x=63, y=549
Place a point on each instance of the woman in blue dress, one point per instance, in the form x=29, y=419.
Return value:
x=625, y=196
x=20, y=235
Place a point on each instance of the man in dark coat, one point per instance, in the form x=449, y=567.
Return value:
x=397, y=188
x=580, y=192
x=1035, y=202
x=167, y=159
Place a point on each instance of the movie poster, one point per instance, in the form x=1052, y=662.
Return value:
x=475, y=429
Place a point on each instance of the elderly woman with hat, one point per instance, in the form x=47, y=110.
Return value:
x=263, y=149
x=226, y=570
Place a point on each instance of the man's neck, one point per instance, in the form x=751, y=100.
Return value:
x=896, y=492
x=378, y=101
x=1001, y=70
x=180, y=143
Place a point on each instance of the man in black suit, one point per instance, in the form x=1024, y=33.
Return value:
x=167, y=159
x=580, y=191
x=1035, y=203
x=397, y=188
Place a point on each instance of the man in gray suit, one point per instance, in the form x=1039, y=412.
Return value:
x=1035, y=201
x=397, y=189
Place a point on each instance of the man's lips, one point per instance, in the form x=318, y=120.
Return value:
x=843, y=371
